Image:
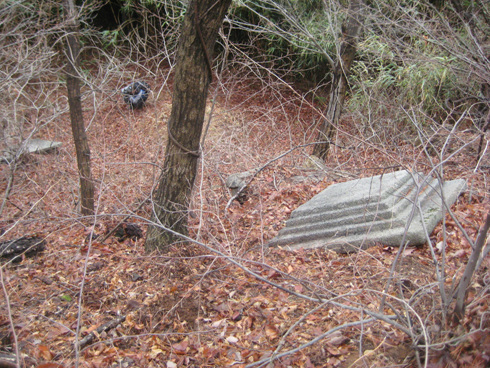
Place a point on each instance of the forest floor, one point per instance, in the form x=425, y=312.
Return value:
x=192, y=307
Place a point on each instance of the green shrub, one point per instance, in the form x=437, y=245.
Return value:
x=292, y=35
x=388, y=80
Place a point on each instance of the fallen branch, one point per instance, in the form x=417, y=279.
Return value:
x=104, y=328
x=8, y=360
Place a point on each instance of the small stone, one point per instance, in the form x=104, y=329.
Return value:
x=135, y=277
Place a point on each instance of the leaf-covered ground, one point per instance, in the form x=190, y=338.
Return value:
x=194, y=307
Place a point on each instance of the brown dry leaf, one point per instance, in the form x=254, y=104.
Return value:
x=333, y=350
x=271, y=332
x=44, y=352
x=90, y=329
x=258, y=220
x=333, y=362
x=57, y=331
x=181, y=347
x=408, y=251
x=337, y=338
x=155, y=351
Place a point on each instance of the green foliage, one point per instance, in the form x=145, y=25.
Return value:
x=421, y=76
x=428, y=83
x=141, y=26
x=293, y=35
x=66, y=298
x=132, y=6
x=110, y=37
x=422, y=58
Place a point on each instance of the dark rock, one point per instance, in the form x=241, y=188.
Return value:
x=128, y=231
x=29, y=246
x=91, y=236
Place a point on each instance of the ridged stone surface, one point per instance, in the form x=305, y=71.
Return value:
x=392, y=209
x=32, y=146
x=41, y=146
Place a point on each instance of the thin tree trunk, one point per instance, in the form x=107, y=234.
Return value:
x=471, y=267
x=351, y=30
x=192, y=77
x=76, y=114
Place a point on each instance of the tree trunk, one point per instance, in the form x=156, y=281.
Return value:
x=192, y=77
x=471, y=267
x=76, y=115
x=351, y=30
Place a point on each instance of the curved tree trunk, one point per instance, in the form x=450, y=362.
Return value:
x=351, y=30
x=76, y=114
x=192, y=77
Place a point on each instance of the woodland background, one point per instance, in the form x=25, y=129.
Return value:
x=418, y=99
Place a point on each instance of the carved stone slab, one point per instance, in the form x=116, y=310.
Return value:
x=395, y=208
x=32, y=146
x=41, y=146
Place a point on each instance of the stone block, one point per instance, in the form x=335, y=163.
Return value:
x=32, y=146
x=391, y=209
x=41, y=146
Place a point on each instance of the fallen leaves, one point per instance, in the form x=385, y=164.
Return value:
x=193, y=309
x=271, y=331
x=44, y=353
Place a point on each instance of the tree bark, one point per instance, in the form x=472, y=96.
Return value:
x=471, y=267
x=192, y=78
x=351, y=30
x=76, y=114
